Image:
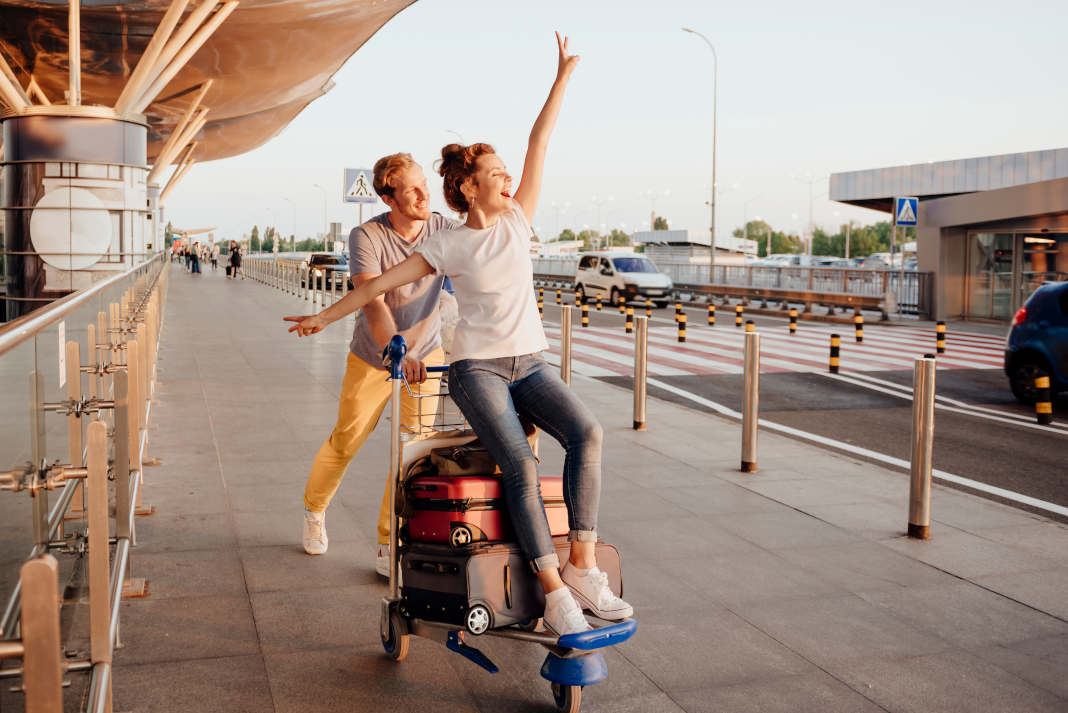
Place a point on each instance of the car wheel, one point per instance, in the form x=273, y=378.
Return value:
x=580, y=294
x=1022, y=377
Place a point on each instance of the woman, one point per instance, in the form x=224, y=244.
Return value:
x=497, y=374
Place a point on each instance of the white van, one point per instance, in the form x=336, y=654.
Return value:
x=616, y=274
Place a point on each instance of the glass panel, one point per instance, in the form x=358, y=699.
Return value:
x=1044, y=259
x=990, y=275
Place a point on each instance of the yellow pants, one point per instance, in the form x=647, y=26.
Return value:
x=364, y=394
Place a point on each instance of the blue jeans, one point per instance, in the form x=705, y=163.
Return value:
x=493, y=394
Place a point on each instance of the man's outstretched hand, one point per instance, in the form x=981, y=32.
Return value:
x=306, y=325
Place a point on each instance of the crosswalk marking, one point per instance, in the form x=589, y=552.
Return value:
x=605, y=351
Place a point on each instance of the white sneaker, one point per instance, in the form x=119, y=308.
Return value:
x=563, y=615
x=593, y=593
x=382, y=561
x=315, y=539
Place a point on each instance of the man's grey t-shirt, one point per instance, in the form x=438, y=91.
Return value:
x=374, y=247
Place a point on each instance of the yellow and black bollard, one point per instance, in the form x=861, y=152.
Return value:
x=682, y=326
x=858, y=323
x=629, y=323
x=1043, y=403
x=940, y=337
x=836, y=346
x=559, y=296
x=598, y=301
x=750, y=325
x=585, y=315
x=738, y=312
x=793, y=321
x=711, y=315
x=648, y=308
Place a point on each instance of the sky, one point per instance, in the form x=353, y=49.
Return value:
x=804, y=90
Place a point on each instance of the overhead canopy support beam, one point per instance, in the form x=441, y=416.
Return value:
x=10, y=90
x=176, y=179
x=140, y=75
x=187, y=51
x=171, y=146
x=74, y=53
x=164, y=160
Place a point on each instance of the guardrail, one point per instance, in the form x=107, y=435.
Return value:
x=902, y=292
x=105, y=402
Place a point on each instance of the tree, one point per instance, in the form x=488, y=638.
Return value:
x=660, y=223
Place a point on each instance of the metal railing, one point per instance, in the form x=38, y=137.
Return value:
x=78, y=378
x=910, y=289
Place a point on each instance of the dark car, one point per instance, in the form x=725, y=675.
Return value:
x=1038, y=342
x=336, y=265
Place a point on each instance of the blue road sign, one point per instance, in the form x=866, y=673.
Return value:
x=358, y=187
x=905, y=211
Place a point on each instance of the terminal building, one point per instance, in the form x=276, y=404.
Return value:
x=990, y=230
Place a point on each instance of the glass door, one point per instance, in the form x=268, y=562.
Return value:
x=990, y=271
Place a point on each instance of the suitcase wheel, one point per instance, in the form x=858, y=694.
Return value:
x=478, y=619
x=461, y=535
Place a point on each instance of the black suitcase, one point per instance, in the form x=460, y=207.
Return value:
x=483, y=586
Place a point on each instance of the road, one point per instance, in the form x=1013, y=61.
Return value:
x=981, y=433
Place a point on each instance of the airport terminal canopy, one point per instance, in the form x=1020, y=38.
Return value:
x=989, y=229
x=268, y=59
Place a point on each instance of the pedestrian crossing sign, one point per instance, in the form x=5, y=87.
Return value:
x=905, y=210
x=358, y=186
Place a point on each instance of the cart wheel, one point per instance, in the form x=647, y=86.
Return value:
x=477, y=620
x=460, y=536
x=396, y=645
x=568, y=698
x=530, y=624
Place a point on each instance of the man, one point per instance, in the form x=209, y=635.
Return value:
x=411, y=311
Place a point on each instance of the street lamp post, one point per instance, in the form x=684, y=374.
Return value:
x=715, y=107
x=325, y=230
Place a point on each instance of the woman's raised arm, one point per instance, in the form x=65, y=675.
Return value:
x=530, y=183
x=410, y=270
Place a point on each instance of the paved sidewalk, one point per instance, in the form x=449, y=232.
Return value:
x=792, y=589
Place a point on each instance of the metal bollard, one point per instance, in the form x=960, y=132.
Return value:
x=750, y=402
x=750, y=326
x=598, y=301
x=793, y=321
x=940, y=337
x=711, y=315
x=1043, y=402
x=836, y=345
x=565, y=341
x=648, y=308
x=739, y=310
x=682, y=327
x=858, y=323
x=585, y=315
x=923, y=398
x=628, y=323
x=641, y=371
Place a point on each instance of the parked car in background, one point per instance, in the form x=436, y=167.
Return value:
x=330, y=266
x=616, y=274
x=1037, y=344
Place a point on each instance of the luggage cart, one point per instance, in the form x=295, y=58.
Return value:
x=573, y=660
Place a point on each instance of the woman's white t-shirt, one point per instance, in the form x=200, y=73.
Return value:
x=493, y=278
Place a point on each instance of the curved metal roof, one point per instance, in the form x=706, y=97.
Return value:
x=268, y=60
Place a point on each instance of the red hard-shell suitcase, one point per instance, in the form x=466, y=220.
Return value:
x=460, y=510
